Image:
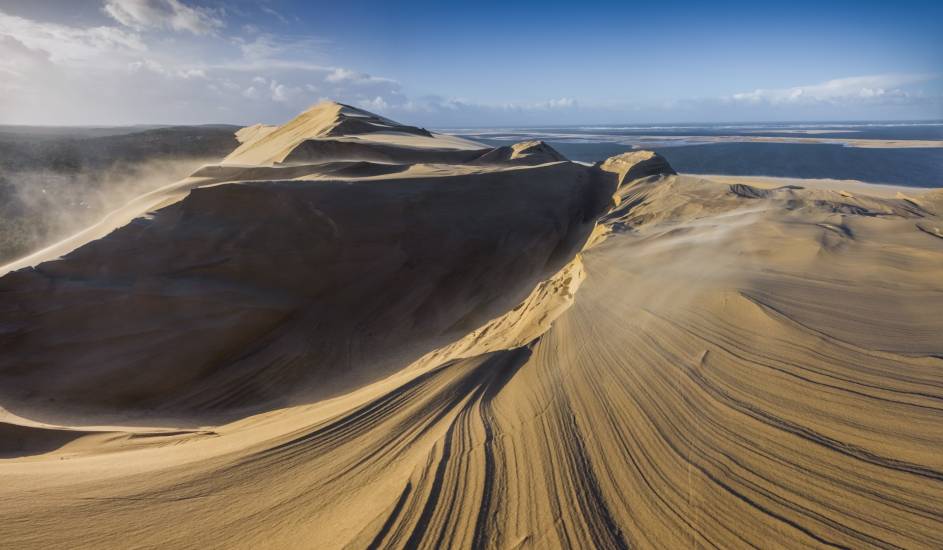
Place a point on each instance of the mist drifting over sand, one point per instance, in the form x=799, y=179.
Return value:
x=57, y=181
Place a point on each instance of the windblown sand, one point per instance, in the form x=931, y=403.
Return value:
x=353, y=333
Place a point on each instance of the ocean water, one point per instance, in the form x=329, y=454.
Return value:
x=920, y=167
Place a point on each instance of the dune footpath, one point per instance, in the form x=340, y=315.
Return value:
x=355, y=333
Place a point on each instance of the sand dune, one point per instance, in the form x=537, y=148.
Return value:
x=350, y=127
x=448, y=345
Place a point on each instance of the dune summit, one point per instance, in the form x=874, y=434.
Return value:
x=355, y=333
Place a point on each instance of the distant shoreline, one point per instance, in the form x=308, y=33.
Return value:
x=877, y=189
x=665, y=141
x=646, y=141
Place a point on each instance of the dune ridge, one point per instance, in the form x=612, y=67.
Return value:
x=335, y=125
x=457, y=346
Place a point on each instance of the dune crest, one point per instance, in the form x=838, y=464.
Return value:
x=355, y=333
x=339, y=126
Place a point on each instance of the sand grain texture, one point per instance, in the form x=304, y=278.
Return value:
x=436, y=344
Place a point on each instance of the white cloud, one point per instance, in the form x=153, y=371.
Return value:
x=340, y=75
x=561, y=103
x=163, y=14
x=52, y=73
x=263, y=47
x=433, y=104
x=268, y=50
x=375, y=104
x=157, y=68
x=274, y=14
x=283, y=93
x=63, y=43
x=347, y=76
x=250, y=93
x=17, y=63
x=883, y=88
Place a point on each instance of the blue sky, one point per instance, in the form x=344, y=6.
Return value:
x=447, y=64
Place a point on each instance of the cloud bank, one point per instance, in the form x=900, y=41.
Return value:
x=171, y=61
x=882, y=88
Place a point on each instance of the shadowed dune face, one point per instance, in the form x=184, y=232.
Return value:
x=447, y=357
x=246, y=293
x=255, y=290
x=17, y=440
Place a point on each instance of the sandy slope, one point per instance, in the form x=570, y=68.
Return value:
x=419, y=354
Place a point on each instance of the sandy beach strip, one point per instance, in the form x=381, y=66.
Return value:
x=863, y=143
x=851, y=186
